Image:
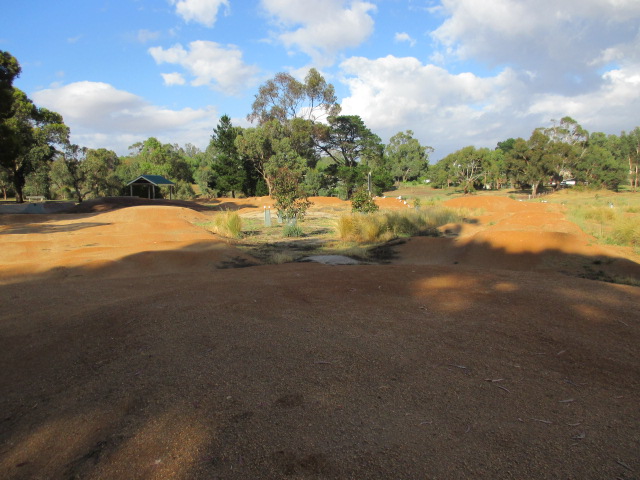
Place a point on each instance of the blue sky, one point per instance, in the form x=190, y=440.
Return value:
x=456, y=72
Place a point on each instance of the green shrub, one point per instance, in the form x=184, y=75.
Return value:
x=362, y=202
x=292, y=231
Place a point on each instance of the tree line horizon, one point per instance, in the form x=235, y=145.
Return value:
x=301, y=146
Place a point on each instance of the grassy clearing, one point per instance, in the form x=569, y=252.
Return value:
x=381, y=227
x=610, y=217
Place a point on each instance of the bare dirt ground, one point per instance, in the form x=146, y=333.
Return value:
x=131, y=348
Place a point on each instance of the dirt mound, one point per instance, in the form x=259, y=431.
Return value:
x=122, y=240
x=522, y=236
x=105, y=204
x=491, y=203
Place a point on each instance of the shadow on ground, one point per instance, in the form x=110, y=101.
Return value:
x=314, y=371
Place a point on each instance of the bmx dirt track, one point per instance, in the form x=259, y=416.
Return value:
x=132, y=348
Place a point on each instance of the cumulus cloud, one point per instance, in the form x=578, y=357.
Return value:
x=200, y=11
x=321, y=29
x=613, y=107
x=563, y=43
x=100, y=115
x=173, y=79
x=211, y=64
x=448, y=111
x=404, y=37
x=546, y=59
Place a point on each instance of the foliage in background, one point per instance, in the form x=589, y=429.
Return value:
x=29, y=134
x=407, y=159
x=299, y=127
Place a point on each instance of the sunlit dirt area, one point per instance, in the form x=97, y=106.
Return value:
x=135, y=343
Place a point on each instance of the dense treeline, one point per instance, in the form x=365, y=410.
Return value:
x=564, y=151
x=301, y=144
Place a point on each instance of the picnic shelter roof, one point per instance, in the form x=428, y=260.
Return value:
x=156, y=180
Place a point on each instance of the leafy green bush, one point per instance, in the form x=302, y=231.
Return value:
x=287, y=191
x=362, y=202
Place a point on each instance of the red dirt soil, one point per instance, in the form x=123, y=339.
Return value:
x=131, y=349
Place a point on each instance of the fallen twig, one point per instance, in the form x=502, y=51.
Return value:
x=620, y=462
x=579, y=436
x=457, y=366
x=494, y=379
x=568, y=400
x=624, y=323
x=574, y=424
x=542, y=421
x=503, y=388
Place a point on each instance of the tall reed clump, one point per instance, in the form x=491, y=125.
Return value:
x=380, y=227
x=626, y=231
x=227, y=224
x=362, y=228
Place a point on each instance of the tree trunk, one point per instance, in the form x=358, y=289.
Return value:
x=266, y=180
x=19, y=196
x=534, y=189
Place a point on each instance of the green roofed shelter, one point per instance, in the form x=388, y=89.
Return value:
x=151, y=181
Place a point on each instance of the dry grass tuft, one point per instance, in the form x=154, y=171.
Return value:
x=381, y=227
x=227, y=224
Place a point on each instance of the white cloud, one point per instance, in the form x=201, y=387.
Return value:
x=404, y=37
x=173, y=79
x=100, y=115
x=321, y=29
x=562, y=42
x=449, y=111
x=211, y=64
x=612, y=108
x=200, y=11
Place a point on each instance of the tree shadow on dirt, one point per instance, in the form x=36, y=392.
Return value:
x=105, y=204
x=313, y=371
x=447, y=250
x=44, y=228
